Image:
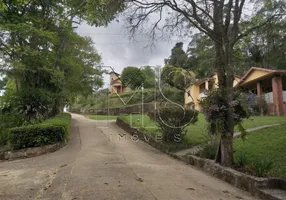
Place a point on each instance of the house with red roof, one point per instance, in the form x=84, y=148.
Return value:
x=269, y=84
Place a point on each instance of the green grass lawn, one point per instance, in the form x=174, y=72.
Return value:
x=102, y=117
x=142, y=122
x=266, y=144
x=197, y=133
x=256, y=121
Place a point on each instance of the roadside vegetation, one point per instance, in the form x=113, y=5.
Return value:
x=44, y=66
x=102, y=99
x=262, y=153
x=197, y=133
x=50, y=131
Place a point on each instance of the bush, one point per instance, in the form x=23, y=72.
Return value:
x=262, y=167
x=173, y=121
x=33, y=104
x=172, y=94
x=241, y=159
x=8, y=120
x=48, y=132
x=216, y=111
x=208, y=151
x=177, y=77
x=256, y=105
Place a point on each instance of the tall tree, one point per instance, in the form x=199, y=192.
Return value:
x=220, y=20
x=178, y=56
x=132, y=77
x=150, y=77
x=201, y=55
x=46, y=59
x=266, y=47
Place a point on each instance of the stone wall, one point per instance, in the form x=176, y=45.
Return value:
x=31, y=152
x=151, y=140
x=257, y=186
x=117, y=111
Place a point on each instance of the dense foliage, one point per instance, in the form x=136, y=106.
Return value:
x=208, y=151
x=8, y=120
x=135, y=77
x=262, y=48
x=178, y=56
x=132, y=77
x=48, y=132
x=215, y=110
x=45, y=65
x=173, y=122
x=177, y=77
x=103, y=100
x=150, y=77
x=256, y=105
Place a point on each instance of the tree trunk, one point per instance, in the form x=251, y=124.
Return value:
x=56, y=107
x=226, y=150
x=225, y=76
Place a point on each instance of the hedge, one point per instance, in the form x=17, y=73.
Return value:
x=50, y=131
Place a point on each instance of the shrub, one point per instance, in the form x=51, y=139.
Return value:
x=261, y=106
x=177, y=77
x=262, y=167
x=241, y=159
x=256, y=105
x=8, y=120
x=208, y=151
x=33, y=104
x=172, y=94
x=215, y=110
x=48, y=132
x=173, y=121
x=4, y=137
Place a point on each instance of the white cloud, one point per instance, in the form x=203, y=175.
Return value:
x=119, y=51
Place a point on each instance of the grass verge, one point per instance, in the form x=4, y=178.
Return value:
x=196, y=133
x=265, y=145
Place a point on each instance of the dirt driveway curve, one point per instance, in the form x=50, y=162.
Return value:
x=97, y=165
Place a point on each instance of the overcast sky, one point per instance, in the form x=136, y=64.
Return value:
x=118, y=51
